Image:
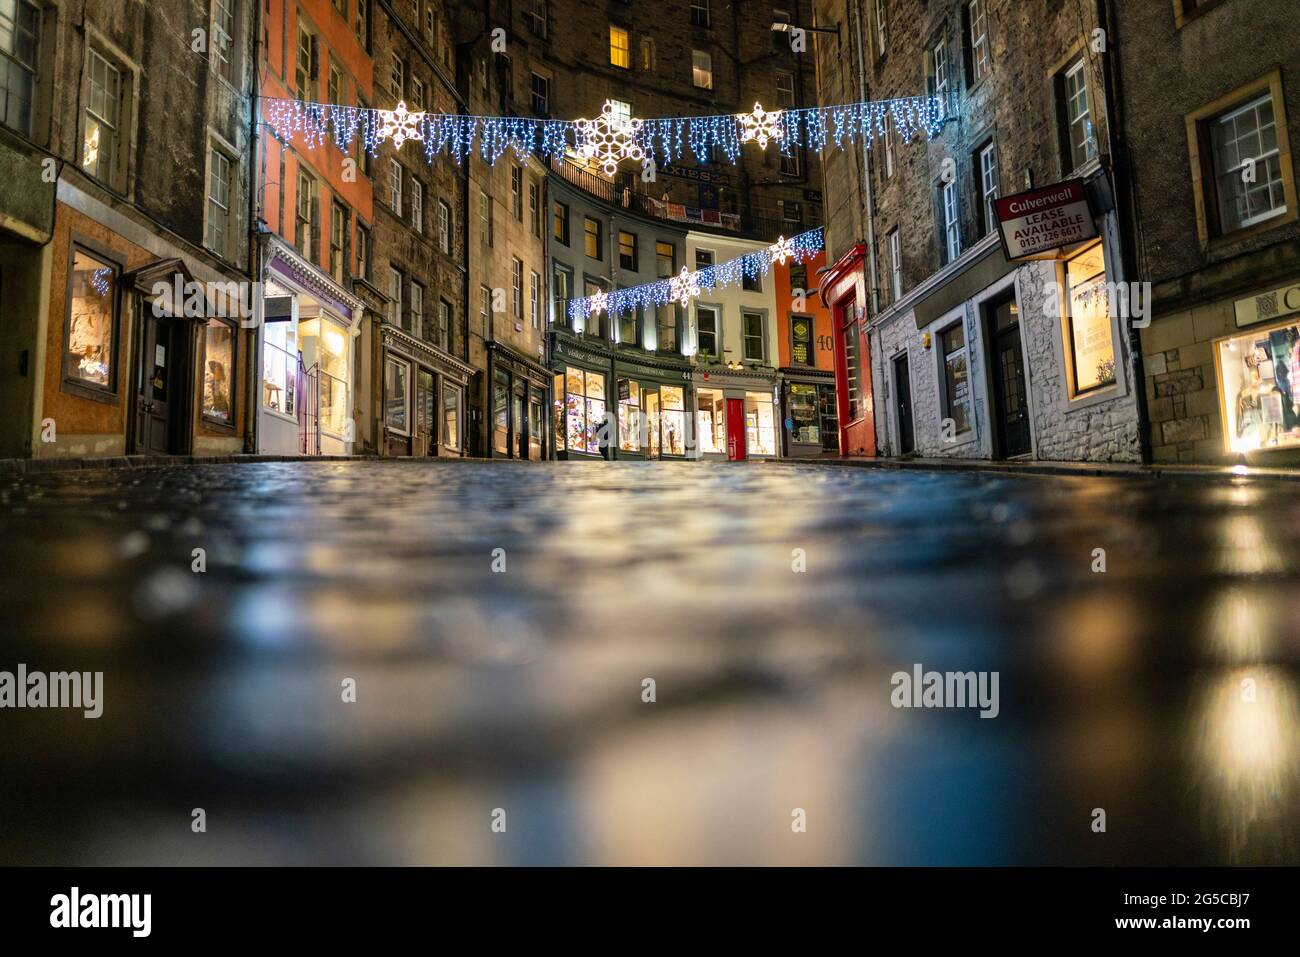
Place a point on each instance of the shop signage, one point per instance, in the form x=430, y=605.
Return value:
x=1040, y=222
x=1269, y=305
x=696, y=174
x=624, y=389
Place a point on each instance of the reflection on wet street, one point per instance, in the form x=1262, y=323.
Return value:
x=1162, y=690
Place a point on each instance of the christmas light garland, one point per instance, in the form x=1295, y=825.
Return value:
x=688, y=285
x=610, y=138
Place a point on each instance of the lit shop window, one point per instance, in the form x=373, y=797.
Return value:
x=535, y=427
x=673, y=420
x=396, y=395
x=92, y=305
x=711, y=421
x=218, y=362
x=451, y=417
x=630, y=418
x=324, y=344
x=1092, y=349
x=760, y=424
x=280, y=367
x=584, y=409
x=804, y=414
x=956, y=381
x=501, y=412
x=1259, y=378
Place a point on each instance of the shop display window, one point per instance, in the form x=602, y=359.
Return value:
x=92, y=320
x=711, y=421
x=218, y=374
x=760, y=424
x=1091, y=345
x=396, y=395
x=280, y=366
x=805, y=417
x=1259, y=383
x=672, y=421
x=630, y=420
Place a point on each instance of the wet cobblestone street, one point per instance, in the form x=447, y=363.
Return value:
x=521, y=688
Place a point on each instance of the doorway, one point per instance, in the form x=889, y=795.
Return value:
x=424, y=414
x=1007, y=370
x=650, y=401
x=736, y=450
x=903, y=405
x=163, y=385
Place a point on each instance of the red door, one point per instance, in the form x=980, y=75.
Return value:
x=736, y=430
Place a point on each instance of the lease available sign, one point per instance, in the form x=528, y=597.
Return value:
x=1044, y=220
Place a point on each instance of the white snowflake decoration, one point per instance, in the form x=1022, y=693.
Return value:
x=609, y=139
x=400, y=124
x=782, y=250
x=598, y=302
x=760, y=126
x=684, y=287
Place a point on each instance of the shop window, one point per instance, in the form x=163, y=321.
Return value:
x=711, y=421
x=706, y=324
x=956, y=378
x=90, y=353
x=631, y=420
x=424, y=411
x=451, y=417
x=324, y=344
x=801, y=341
x=1088, y=322
x=584, y=409
x=805, y=417
x=1259, y=382
x=760, y=424
x=752, y=332
x=397, y=396
x=672, y=420
x=501, y=412
x=218, y=372
x=20, y=25
x=280, y=367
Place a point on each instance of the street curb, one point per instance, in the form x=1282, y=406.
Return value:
x=38, y=466
x=1213, y=473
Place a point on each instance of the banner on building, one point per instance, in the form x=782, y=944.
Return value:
x=1037, y=224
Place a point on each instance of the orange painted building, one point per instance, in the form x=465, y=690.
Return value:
x=806, y=360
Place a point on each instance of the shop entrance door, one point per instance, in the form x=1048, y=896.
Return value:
x=1010, y=408
x=162, y=384
x=650, y=403
x=736, y=430
x=424, y=417
x=903, y=402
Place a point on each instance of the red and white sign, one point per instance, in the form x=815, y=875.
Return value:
x=1045, y=220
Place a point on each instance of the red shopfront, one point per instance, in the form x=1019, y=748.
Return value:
x=844, y=290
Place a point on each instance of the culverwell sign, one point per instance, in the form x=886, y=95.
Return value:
x=1045, y=220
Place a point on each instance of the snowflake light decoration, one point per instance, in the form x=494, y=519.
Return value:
x=400, y=124
x=683, y=287
x=598, y=302
x=782, y=250
x=609, y=139
x=760, y=126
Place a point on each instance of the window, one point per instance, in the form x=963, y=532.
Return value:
x=672, y=419
x=791, y=212
x=104, y=123
x=627, y=327
x=535, y=299
x=484, y=218
x=791, y=164
x=785, y=89
x=517, y=287
x=90, y=351
x=535, y=208
x=417, y=95
x=341, y=6
x=223, y=33
x=396, y=395
x=338, y=232
x=451, y=417
x=541, y=92
x=484, y=310
x=280, y=367
x=334, y=91
x=939, y=56
x=395, y=296
x=417, y=310
x=627, y=251
x=620, y=109
x=397, y=78
x=444, y=331
x=956, y=382
x=305, y=64
x=703, y=259
x=647, y=54
x=1246, y=139
x=850, y=325
x=987, y=164
x=595, y=326
x=305, y=217
x=535, y=17
x=666, y=328
x=444, y=226
x=752, y=283
x=700, y=13
x=882, y=33
x=562, y=291
x=417, y=206
x=580, y=409
x=517, y=193
x=591, y=238
x=760, y=424
x=1080, y=135
x=363, y=22
x=951, y=226
x=665, y=260
x=977, y=26
x=701, y=70
x=218, y=372
x=1091, y=346
x=219, y=203
x=395, y=186
x=895, y=265
x=706, y=324
x=632, y=420
x=561, y=216
x=752, y=335
x=363, y=252
x=619, y=53
x=801, y=341
x=889, y=152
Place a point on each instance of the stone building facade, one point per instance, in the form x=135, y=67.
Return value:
x=124, y=150
x=1209, y=123
x=945, y=346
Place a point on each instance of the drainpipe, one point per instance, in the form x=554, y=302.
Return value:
x=254, y=245
x=1125, y=209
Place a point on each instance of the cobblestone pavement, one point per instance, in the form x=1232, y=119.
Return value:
x=1163, y=691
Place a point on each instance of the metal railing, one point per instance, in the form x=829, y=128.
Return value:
x=308, y=409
